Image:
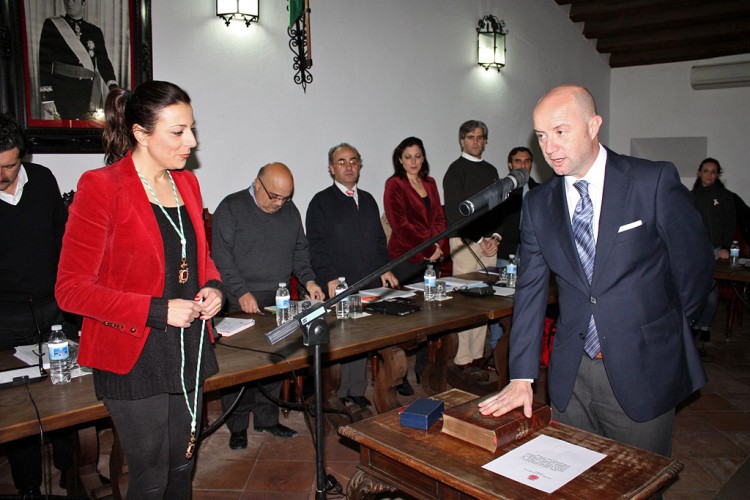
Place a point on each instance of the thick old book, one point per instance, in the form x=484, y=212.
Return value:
x=492, y=433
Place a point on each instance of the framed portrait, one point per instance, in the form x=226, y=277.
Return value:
x=58, y=61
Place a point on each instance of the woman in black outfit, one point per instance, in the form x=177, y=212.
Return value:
x=715, y=204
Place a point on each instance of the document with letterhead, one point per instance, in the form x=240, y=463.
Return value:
x=545, y=463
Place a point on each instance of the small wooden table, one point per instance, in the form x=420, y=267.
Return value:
x=430, y=464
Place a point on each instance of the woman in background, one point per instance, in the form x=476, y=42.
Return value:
x=715, y=204
x=135, y=264
x=415, y=214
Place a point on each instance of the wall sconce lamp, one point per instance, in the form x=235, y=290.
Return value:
x=491, y=43
x=243, y=10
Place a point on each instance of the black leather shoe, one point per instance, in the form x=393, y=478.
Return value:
x=238, y=440
x=405, y=389
x=278, y=430
x=30, y=493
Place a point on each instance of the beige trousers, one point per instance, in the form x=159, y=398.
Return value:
x=470, y=342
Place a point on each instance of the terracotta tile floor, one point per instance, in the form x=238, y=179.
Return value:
x=712, y=439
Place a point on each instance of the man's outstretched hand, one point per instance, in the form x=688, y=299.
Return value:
x=517, y=393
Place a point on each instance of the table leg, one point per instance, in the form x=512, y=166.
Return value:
x=442, y=351
x=362, y=485
x=391, y=373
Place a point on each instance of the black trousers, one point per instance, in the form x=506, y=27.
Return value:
x=154, y=433
x=265, y=411
x=25, y=457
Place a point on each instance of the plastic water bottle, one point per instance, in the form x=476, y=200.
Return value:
x=59, y=355
x=734, y=254
x=283, y=303
x=342, y=308
x=512, y=271
x=429, y=283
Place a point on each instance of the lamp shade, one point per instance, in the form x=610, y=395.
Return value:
x=244, y=10
x=491, y=43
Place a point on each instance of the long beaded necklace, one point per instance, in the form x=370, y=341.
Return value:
x=194, y=410
x=182, y=279
x=184, y=272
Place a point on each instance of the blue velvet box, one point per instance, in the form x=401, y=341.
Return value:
x=422, y=413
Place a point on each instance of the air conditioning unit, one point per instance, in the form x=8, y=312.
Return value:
x=720, y=76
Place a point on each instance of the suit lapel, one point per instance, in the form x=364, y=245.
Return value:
x=617, y=186
x=135, y=200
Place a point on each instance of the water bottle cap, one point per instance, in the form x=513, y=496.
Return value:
x=56, y=328
x=511, y=255
x=282, y=285
x=429, y=266
x=341, y=278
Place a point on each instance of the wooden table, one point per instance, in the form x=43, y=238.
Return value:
x=737, y=278
x=430, y=464
x=75, y=403
x=723, y=271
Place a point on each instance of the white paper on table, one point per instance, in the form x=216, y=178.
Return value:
x=417, y=287
x=504, y=291
x=545, y=463
x=229, y=326
x=386, y=293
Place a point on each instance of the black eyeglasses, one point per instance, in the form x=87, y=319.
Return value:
x=273, y=196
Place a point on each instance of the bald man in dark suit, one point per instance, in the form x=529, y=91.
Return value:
x=633, y=266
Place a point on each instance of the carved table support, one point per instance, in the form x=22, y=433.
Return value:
x=362, y=485
x=390, y=375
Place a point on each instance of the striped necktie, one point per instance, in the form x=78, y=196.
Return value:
x=583, y=232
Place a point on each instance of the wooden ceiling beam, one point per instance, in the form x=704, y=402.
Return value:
x=602, y=10
x=698, y=34
x=640, y=32
x=700, y=14
x=674, y=54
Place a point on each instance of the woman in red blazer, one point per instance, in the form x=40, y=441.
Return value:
x=413, y=209
x=135, y=264
x=415, y=214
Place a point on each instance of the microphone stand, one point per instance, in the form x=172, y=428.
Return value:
x=315, y=333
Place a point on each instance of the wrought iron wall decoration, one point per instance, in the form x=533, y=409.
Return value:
x=300, y=43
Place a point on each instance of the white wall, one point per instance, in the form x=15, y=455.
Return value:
x=383, y=70
x=657, y=101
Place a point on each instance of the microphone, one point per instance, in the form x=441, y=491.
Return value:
x=495, y=193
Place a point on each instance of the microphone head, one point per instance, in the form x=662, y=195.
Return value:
x=520, y=175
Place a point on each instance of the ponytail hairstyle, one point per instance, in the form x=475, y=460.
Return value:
x=125, y=109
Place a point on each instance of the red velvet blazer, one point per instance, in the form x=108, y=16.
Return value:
x=112, y=262
x=410, y=221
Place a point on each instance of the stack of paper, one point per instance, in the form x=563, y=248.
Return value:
x=229, y=326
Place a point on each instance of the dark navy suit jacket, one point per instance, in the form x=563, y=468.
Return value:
x=652, y=272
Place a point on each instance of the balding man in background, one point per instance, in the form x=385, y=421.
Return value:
x=633, y=266
x=258, y=242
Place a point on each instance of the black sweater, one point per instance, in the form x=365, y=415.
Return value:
x=31, y=240
x=464, y=179
x=716, y=206
x=345, y=240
